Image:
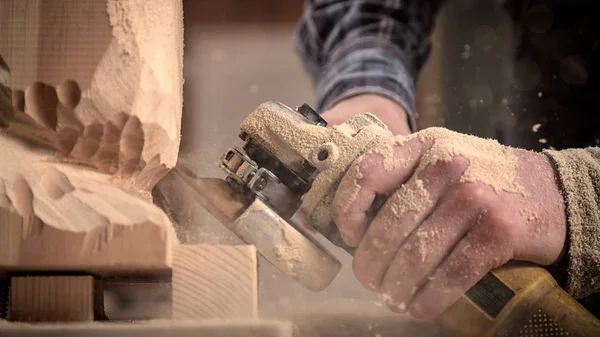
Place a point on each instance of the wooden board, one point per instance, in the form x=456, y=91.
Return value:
x=215, y=282
x=79, y=158
x=51, y=298
x=27, y=244
x=246, y=328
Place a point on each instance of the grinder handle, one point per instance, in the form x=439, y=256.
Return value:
x=518, y=299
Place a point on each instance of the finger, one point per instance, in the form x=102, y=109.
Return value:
x=426, y=247
x=400, y=215
x=379, y=172
x=487, y=246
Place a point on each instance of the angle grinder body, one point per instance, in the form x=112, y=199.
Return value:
x=291, y=160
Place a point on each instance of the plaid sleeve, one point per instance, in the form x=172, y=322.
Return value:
x=365, y=46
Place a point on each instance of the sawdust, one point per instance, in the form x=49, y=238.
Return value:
x=292, y=256
x=490, y=162
x=536, y=127
x=285, y=247
x=425, y=238
x=350, y=192
x=387, y=151
x=389, y=301
x=287, y=250
x=411, y=196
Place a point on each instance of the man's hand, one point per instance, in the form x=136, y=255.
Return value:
x=458, y=207
x=388, y=111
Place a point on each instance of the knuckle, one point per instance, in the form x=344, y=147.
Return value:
x=417, y=254
x=476, y=196
x=456, y=166
x=365, y=163
x=463, y=268
x=501, y=227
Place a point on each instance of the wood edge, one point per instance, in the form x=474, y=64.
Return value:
x=263, y=328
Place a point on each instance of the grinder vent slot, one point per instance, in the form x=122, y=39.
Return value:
x=542, y=325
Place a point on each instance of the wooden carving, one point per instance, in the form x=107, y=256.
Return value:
x=81, y=144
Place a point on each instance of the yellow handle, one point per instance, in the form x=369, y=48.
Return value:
x=520, y=300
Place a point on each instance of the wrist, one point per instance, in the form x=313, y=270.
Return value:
x=545, y=211
x=389, y=112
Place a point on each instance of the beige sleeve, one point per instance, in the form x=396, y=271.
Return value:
x=579, y=174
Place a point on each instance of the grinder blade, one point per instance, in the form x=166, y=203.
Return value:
x=255, y=223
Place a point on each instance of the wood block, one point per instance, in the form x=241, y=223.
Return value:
x=82, y=151
x=215, y=282
x=51, y=298
x=246, y=328
x=28, y=244
x=72, y=38
x=127, y=56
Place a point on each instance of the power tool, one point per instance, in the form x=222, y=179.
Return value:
x=290, y=159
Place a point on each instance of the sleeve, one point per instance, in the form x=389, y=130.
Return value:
x=579, y=175
x=365, y=46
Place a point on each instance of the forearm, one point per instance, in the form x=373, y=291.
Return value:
x=357, y=47
x=579, y=175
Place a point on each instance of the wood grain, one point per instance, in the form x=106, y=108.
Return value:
x=215, y=282
x=46, y=38
x=52, y=298
x=28, y=244
x=246, y=328
x=19, y=28
x=79, y=171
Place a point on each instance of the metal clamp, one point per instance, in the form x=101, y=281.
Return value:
x=238, y=165
x=260, y=181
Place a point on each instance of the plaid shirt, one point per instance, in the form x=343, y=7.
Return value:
x=365, y=46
